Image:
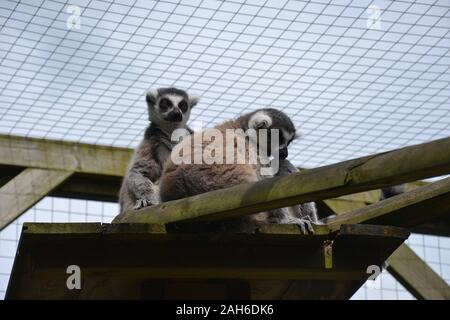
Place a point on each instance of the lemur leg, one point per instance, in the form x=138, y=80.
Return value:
x=305, y=224
x=304, y=215
x=288, y=216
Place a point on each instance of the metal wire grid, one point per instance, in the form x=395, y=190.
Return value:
x=387, y=288
x=434, y=250
x=350, y=89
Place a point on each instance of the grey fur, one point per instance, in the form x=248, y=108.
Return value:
x=388, y=192
x=303, y=214
x=140, y=185
x=184, y=180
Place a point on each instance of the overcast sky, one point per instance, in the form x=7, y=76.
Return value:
x=356, y=77
x=351, y=90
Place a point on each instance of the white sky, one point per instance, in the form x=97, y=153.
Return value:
x=350, y=90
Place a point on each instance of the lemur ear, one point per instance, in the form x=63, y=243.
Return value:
x=260, y=120
x=193, y=100
x=151, y=97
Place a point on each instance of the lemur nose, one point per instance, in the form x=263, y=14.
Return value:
x=175, y=116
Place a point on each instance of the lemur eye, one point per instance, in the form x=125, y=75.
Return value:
x=165, y=104
x=183, y=106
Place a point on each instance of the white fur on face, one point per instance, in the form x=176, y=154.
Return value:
x=176, y=99
x=258, y=118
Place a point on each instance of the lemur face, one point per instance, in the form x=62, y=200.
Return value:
x=267, y=119
x=170, y=105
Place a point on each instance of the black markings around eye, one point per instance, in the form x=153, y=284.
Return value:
x=165, y=104
x=281, y=139
x=183, y=106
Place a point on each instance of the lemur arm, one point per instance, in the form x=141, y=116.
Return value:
x=143, y=177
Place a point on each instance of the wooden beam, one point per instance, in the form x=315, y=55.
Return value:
x=79, y=186
x=404, y=265
x=416, y=276
x=389, y=168
x=89, y=187
x=116, y=259
x=62, y=155
x=25, y=190
x=99, y=169
x=405, y=210
x=372, y=196
x=438, y=227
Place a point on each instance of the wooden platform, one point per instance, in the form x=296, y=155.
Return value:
x=141, y=261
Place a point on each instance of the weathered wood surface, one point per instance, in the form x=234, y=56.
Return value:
x=389, y=168
x=62, y=155
x=99, y=169
x=406, y=210
x=354, y=201
x=25, y=190
x=416, y=276
x=116, y=260
x=405, y=266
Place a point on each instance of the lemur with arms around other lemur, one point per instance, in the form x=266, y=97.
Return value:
x=168, y=109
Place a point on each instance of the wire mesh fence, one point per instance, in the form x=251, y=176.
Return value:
x=357, y=77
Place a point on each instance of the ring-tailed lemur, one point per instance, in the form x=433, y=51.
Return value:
x=187, y=179
x=168, y=109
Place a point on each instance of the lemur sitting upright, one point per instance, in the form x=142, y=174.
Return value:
x=168, y=109
x=180, y=180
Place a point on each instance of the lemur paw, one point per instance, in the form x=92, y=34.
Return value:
x=305, y=224
x=142, y=203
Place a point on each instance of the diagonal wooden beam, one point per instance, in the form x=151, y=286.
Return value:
x=416, y=276
x=26, y=189
x=405, y=210
x=404, y=265
x=346, y=203
x=389, y=168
